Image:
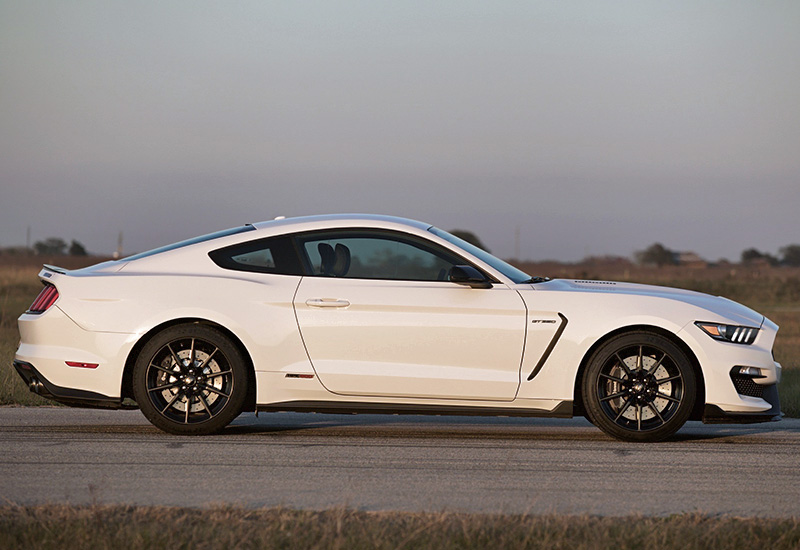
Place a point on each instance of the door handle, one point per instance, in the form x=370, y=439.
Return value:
x=326, y=302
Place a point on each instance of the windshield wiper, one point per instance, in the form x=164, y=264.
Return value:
x=534, y=280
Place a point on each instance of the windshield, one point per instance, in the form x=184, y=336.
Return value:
x=506, y=269
x=195, y=240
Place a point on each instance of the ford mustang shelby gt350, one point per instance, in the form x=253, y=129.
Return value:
x=360, y=313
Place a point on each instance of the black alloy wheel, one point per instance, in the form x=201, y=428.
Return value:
x=190, y=380
x=639, y=386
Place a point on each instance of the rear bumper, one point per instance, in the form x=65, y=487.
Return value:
x=40, y=385
x=52, y=341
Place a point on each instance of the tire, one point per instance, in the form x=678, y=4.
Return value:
x=639, y=386
x=190, y=380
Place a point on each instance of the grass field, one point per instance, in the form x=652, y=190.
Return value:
x=774, y=292
x=122, y=527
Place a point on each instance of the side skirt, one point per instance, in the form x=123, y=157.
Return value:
x=563, y=410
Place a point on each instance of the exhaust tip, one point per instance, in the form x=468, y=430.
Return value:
x=35, y=386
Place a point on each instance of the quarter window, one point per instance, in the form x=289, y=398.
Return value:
x=272, y=255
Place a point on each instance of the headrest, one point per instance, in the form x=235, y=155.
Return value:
x=341, y=264
x=328, y=257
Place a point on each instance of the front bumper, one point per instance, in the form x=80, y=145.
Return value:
x=712, y=414
x=731, y=397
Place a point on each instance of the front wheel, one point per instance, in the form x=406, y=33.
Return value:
x=190, y=380
x=639, y=386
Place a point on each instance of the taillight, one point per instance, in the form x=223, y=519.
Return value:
x=46, y=298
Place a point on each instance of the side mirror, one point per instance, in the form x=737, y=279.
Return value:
x=468, y=275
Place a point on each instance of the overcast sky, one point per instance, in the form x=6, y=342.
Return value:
x=594, y=127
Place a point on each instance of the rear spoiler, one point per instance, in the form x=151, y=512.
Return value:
x=56, y=269
x=48, y=270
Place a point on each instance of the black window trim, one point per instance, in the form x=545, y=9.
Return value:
x=407, y=238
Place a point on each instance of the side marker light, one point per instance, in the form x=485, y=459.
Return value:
x=82, y=365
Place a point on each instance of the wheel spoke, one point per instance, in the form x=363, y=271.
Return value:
x=658, y=414
x=191, y=354
x=163, y=369
x=614, y=378
x=215, y=390
x=622, y=364
x=639, y=417
x=188, y=406
x=216, y=374
x=654, y=368
x=205, y=405
x=171, y=401
x=640, y=359
x=660, y=381
x=175, y=358
x=207, y=359
x=623, y=409
x=667, y=397
x=613, y=396
x=164, y=387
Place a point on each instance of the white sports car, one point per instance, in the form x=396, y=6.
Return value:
x=359, y=313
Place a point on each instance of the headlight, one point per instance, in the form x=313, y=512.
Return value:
x=729, y=333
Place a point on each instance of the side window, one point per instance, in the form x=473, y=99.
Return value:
x=363, y=255
x=272, y=255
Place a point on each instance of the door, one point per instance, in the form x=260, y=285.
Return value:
x=379, y=318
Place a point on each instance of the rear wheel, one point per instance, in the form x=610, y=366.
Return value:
x=190, y=380
x=639, y=386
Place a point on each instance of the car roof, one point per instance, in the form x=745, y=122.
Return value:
x=326, y=220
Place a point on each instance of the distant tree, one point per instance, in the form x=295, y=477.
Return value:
x=77, y=249
x=52, y=246
x=656, y=254
x=470, y=237
x=790, y=255
x=752, y=255
x=16, y=251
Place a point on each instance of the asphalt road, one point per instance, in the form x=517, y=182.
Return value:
x=373, y=462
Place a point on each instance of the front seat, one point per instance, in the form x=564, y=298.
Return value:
x=341, y=264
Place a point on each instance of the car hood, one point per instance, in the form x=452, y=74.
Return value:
x=717, y=305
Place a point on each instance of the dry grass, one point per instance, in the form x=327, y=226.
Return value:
x=125, y=527
x=790, y=392
x=772, y=291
